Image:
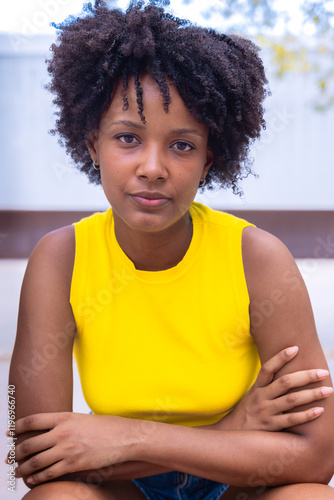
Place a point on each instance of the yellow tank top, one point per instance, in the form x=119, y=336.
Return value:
x=173, y=345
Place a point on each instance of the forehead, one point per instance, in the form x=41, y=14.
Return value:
x=143, y=92
x=124, y=103
x=147, y=83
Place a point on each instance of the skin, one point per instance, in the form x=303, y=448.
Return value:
x=169, y=156
x=137, y=160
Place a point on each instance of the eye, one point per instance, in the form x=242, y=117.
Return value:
x=182, y=146
x=128, y=139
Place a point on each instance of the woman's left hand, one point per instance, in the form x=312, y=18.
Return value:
x=72, y=442
x=269, y=405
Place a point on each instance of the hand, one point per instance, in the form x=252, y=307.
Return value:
x=263, y=407
x=73, y=442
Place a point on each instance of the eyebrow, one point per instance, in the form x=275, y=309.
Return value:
x=129, y=123
x=186, y=131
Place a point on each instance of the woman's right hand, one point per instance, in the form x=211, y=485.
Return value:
x=265, y=405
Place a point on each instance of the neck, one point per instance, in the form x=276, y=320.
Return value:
x=155, y=251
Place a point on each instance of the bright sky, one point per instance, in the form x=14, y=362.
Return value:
x=34, y=16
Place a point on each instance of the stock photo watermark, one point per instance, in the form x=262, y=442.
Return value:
x=36, y=22
x=11, y=460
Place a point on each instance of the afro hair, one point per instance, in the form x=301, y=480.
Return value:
x=220, y=78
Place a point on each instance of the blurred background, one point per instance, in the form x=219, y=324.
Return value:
x=292, y=196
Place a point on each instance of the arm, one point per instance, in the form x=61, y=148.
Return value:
x=235, y=457
x=41, y=365
x=261, y=408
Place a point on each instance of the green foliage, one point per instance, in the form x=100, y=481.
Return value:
x=319, y=14
x=309, y=50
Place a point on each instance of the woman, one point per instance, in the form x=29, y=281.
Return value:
x=171, y=307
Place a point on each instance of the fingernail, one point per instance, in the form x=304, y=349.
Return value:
x=30, y=480
x=322, y=373
x=326, y=390
x=318, y=411
x=291, y=350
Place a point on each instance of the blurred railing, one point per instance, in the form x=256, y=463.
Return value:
x=307, y=233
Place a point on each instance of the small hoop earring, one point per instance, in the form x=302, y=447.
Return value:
x=202, y=182
x=96, y=166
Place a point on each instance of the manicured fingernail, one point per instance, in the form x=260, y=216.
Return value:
x=326, y=390
x=318, y=411
x=291, y=350
x=322, y=373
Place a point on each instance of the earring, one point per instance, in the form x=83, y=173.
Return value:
x=96, y=166
x=202, y=182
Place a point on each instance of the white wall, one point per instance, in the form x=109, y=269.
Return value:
x=294, y=158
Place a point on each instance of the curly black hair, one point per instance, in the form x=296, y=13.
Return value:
x=220, y=78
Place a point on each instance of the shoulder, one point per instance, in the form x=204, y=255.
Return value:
x=260, y=246
x=280, y=307
x=267, y=262
x=52, y=259
x=59, y=243
x=264, y=255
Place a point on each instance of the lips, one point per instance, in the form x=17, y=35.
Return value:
x=152, y=199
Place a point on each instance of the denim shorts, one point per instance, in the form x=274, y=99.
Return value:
x=179, y=486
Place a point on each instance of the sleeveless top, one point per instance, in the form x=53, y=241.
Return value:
x=172, y=345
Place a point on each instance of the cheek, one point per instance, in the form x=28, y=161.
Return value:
x=187, y=190
x=110, y=171
x=188, y=181
x=109, y=181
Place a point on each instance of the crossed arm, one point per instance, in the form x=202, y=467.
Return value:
x=247, y=447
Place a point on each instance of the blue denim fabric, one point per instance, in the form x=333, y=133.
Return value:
x=177, y=486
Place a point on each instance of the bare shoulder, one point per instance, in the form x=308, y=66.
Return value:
x=63, y=238
x=56, y=248
x=268, y=263
x=280, y=310
x=259, y=246
x=52, y=259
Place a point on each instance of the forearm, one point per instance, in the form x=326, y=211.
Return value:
x=132, y=469
x=137, y=469
x=241, y=458
x=122, y=471
x=228, y=423
x=110, y=447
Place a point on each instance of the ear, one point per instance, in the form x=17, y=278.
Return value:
x=91, y=144
x=209, y=161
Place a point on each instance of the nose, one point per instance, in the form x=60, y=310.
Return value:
x=152, y=166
